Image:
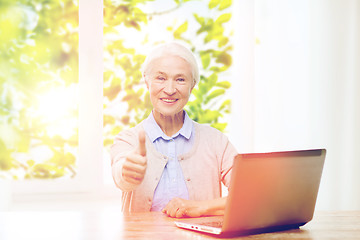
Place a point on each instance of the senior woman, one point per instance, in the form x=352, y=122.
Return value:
x=168, y=162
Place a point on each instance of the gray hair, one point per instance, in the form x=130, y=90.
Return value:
x=172, y=49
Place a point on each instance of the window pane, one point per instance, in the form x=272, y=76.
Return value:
x=38, y=88
x=132, y=28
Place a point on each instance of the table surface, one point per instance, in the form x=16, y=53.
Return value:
x=112, y=224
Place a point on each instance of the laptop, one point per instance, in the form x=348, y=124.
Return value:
x=268, y=192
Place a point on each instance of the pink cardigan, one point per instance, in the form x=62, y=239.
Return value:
x=208, y=163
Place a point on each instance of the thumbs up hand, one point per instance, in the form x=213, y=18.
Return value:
x=134, y=167
x=142, y=148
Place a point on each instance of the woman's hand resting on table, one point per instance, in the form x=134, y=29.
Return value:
x=179, y=207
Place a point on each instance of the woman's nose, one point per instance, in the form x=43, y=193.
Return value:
x=170, y=88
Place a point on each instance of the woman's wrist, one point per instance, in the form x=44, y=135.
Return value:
x=213, y=207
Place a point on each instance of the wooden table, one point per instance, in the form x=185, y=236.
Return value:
x=112, y=224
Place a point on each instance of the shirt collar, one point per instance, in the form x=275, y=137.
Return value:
x=154, y=131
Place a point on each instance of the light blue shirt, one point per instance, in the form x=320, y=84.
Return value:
x=172, y=183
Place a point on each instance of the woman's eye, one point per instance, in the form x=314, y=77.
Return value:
x=160, y=78
x=181, y=79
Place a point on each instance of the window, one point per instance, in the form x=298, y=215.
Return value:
x=39, y=89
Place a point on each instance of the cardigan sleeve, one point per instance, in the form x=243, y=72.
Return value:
x=125, y=142
x=220, y=149
x=227, y=158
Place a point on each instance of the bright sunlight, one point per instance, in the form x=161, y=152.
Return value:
x=57, y=108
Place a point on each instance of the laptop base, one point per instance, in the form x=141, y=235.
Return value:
x=219, y=234
x=260, y=231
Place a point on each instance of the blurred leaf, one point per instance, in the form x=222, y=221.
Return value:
x=117, y=129
x=108, y=120
x=212, y=79
x=223, y=18
x=133, y=24
x=225, y=4
x=224, y=58
x=224, y=84
x=180, y=30
x=113, y=90
x=108, y=142
x=23, y=144
x=30, y=162
x=45, y=171
x=148, y=104
x=70, y=159
x=209, y=116
x=223, y=41
x=203, y=89
x=219, y=126
x=214, y=94
x=125, y=120
x=205, y=59
x=199, y=19
x=225, y=105
x=5, y=157
x=214, y=3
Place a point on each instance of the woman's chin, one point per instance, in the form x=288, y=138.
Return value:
x=168, y=112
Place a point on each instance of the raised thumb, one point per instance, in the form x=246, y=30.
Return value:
x=142, y=148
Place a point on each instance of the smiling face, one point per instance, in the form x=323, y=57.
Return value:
x=170, y=81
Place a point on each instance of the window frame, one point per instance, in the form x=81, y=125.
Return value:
x=88, y=179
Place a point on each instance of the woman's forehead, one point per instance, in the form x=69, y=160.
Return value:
x=170, y=64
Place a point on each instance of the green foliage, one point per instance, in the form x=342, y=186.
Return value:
x=129, y=29
x=5, y=157
x=38, y=54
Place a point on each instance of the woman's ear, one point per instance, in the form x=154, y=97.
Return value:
x=193, y=85
x=146, y=81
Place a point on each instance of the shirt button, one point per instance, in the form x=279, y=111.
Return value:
x=188, y=179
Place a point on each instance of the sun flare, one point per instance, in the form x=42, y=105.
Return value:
x=58, y=109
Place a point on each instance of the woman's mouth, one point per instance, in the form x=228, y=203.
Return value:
x=168, y=100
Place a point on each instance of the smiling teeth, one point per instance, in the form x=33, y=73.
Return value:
x=168, y=100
